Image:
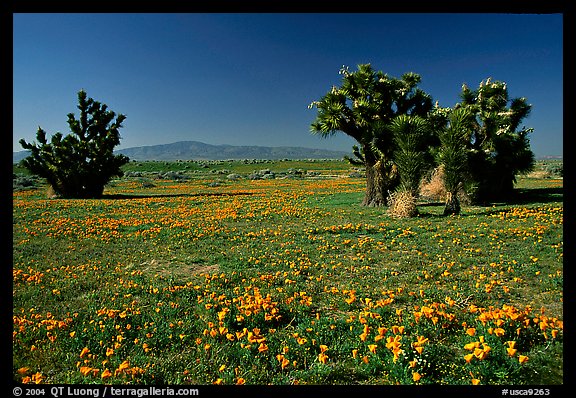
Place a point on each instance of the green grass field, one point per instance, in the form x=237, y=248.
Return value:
x=202, y=279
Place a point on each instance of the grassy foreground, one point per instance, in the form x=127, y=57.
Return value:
x=197, y=278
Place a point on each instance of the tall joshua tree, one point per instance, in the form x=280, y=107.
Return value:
x=500, y=147
x=363, y=107
x=79, y=164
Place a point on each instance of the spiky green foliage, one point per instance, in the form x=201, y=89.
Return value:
x=500, y=148
x=363, y=107
x=358, y=159
x=410, y=134
x=79, y=164
x=453, y=155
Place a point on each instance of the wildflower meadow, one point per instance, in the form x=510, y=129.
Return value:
x=205, y=276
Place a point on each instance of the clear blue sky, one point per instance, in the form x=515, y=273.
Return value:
x=247, y=79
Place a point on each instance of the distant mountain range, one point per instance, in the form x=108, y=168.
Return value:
x=194, y=150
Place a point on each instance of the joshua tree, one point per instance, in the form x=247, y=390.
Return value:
x=499, y=148
x=79, y=164
x=363, y=108
x=410, y=154
x=453, y=156
x=410, y=158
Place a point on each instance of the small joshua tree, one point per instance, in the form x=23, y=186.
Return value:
x=409, y=134
x=453, y=156
x=79, y=164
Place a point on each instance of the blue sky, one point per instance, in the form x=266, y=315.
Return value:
x=247, y=79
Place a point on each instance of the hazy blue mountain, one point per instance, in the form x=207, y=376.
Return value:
x=194, y=150
x=18, y=156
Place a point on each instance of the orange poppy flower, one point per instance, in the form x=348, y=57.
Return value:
x=499, y=332
x=471, y=346
x=106, y=374
x=85, y=370
x=262, y=347
x=123, y=366
x=84, y=351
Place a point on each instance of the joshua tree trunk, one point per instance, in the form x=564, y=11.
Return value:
x=452, y=204
x=376, y=185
